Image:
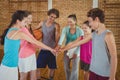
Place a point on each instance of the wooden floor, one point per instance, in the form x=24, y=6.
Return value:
x=60, y=75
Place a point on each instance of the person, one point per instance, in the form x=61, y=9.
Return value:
x=51, y=34
x=11, y=39
x=104, y=55
x=71, y=33
x=85, y=50
x=27, y=57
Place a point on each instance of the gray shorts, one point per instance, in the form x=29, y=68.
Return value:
x=84, y=66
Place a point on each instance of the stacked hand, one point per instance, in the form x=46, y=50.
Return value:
x=58, y=50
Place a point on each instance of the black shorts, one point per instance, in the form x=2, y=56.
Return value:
x=84, y=66
x=45, y=58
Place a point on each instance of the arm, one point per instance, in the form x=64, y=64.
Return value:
x=22, y=35
x=38, y=26
x=62, y=37
x=110, y=41
x=77, y=43
x=57, y=34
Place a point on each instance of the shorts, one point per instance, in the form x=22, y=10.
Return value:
x=84, y=66
x=27, y=64
x=94, y=76
x=8, y=73
x=45, y=58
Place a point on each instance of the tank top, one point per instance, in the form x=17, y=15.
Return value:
x=86, y=52
x=48, y=35
x=100, y=63
x=70, y=37
x=11, y=50
x=26, y=48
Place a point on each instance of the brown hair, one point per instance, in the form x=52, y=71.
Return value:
x=53, y=11
x=96, y=12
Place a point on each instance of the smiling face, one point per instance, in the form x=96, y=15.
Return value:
x=52, y=17
x=29, y=19
x=22, y=23
x=71, y=22
x=93, y=23
x=86, y=29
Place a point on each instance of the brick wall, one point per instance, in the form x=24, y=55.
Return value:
x=66, y=7
x=39, y=9
x=112, y=19
x=4, y=14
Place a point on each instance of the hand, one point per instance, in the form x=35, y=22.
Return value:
x=54, y=52
x=74, y=56
x=61, y=50
x=57, y=49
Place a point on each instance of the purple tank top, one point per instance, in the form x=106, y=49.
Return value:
x=86, y=52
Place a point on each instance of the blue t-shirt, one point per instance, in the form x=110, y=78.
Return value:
x=11, y=50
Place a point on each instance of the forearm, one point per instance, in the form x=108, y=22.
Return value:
x=43, y=46
x=57, y=39
x=76, y=43
x=113, y=68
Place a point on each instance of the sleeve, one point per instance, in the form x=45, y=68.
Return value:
x=62, y=37
x=81, y=32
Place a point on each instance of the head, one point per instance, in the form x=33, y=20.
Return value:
x=53, y=14
x=19, y=19
x=29, y=17
x=86, y=27
x=95, y=17
x=72, y=20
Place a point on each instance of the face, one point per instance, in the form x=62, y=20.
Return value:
x=23, y=22
x=93, y=23
x=86, y=29
x=71, y=22
x=52, y=17
x=29, y=19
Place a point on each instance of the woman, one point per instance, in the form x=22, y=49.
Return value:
x=27, y=58
x=71, y=33
x=11, y=39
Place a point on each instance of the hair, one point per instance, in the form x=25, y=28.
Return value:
x=96, y=12
x=18, y=15
x=87, y=23
x=73, y=16
x=53, y=11
x=30, y=29
x=28, y=12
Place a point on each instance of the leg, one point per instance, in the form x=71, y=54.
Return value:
x=38, y=74
x=33, y=75
x=75, y=69
x=51, y=65
x=85, y=67
x=67, y=66
x=86, y=75
x=51, y=73
x=23, y=76
x=41, y=62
